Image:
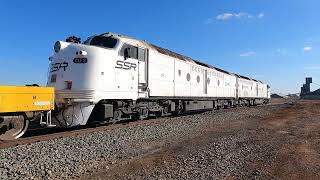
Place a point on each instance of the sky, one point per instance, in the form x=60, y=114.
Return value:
x=276, y=41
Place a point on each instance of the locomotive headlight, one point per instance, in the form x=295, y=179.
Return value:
x=57, y=46
x=83, y=53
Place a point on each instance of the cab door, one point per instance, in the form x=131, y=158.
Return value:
x=126, y=72
x=142, y=72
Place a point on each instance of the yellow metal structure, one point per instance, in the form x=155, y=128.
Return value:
x=26, y=99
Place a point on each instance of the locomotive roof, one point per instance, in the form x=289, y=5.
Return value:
x=177, y=55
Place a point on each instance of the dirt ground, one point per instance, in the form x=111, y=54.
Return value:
x=283, y=145
x=281, y=100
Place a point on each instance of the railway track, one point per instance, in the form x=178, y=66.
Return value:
x=33, y=136
x=46, y=134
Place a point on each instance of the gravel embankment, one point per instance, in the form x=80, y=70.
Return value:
x=283, y=144
x=83, y=155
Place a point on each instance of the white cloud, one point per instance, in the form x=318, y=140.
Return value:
x=261, y=15
x=240, y=15
x=224, y=16
x=307, y=48
x=246, y=54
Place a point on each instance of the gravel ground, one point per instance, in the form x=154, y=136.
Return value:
x=98, y=153
x=280, y=142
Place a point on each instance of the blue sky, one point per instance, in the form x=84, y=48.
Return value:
x=277, y=41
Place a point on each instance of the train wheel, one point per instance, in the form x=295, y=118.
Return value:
x=117, y=116
x=143, y=114
x=12, y=127
x=165, y=111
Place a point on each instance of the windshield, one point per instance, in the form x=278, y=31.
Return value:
x=103, y=41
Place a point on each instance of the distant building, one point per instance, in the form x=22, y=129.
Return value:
x=306, y=93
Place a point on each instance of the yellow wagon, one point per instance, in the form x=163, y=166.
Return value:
x=21, y=104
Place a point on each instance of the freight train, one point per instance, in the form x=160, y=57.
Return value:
x=111, y=77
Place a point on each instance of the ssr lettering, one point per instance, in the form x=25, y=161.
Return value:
x=57, y=66
x=125, y=65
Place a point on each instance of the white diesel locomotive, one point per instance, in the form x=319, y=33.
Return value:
x=112, y=77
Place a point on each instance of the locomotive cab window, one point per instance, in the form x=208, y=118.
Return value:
x=130, y=51
x=102, y=41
